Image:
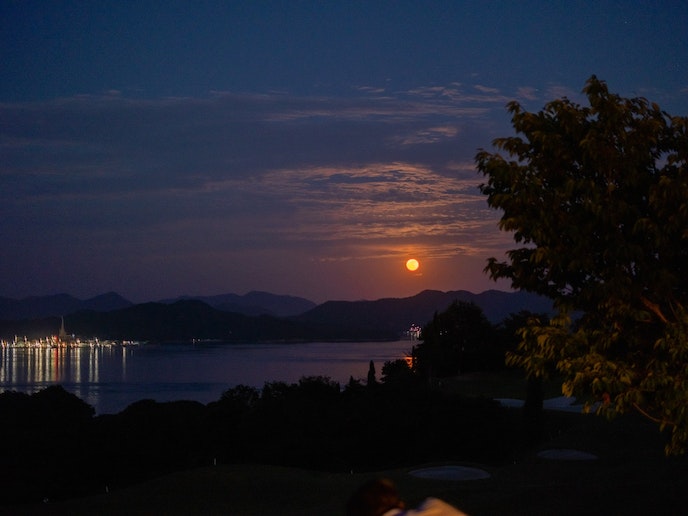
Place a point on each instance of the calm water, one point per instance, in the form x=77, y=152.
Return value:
x=110, y=378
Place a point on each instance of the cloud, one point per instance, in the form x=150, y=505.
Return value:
x=340, y=205
x=429, y=135
x=89, y=180
x=486, y=89
x=527, y=93
x=116, y=146
x=456, y=94
x=557, y=91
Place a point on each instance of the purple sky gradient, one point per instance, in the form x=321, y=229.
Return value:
x=305, y=148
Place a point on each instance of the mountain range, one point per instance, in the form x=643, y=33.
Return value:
x=253, y=303
x=400, y=313
x=257, y=316
x=57, y=305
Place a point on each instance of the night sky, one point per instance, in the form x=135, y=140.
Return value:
x=305, y=148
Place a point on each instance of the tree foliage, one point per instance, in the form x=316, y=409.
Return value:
x=597, y=198
x=456, y=340
x=398, y=373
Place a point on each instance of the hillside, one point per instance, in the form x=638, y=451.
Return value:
x=36, y=307
x=254, y=303
x=398, y=314
x=187, y=319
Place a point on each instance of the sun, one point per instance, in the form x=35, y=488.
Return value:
x=412, y=264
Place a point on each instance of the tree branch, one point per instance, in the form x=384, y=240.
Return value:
x=652, y=418
x=654, y=308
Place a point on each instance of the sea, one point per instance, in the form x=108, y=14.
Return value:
x=110, y=378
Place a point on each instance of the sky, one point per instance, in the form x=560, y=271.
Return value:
x=168, y=148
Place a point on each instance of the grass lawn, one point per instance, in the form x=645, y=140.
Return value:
x=508, y=384
x=641, y=482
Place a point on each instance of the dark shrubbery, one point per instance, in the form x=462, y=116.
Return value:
x=312, y=424
x=59, y=450
x=456, y=341
x=44, y=435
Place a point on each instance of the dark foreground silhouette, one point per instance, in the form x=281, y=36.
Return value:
x=54, y=448
x=380, y=496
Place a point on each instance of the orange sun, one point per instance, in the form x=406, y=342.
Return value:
x=412, y=264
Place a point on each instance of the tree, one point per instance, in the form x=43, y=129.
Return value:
x=240, y=399
x=597, y=198
x=398, y=373
x=455, y=341
x=510, y=331
x=372, y=381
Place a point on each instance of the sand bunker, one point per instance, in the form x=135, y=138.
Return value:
x=562, y=403
x=566, y=454
x=450, y=473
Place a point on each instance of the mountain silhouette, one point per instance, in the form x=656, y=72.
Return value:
x=36, y=307
x=254, y=303
x=184, y=321
x=398, y=314
x=194, y=319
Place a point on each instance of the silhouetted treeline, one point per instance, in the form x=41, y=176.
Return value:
x=461, y=340
x=60, y=449
x=55, y=448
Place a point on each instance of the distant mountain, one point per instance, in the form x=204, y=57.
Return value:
x=110, y=316
x=253, y=303
x=106, y=303
x=37, y=307
x=498, y=305
x=184, y=321
x=398, y=314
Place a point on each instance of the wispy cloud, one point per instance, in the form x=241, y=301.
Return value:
x=182, y=180
x=486, y=89
x=527, y=93
x=429, y=135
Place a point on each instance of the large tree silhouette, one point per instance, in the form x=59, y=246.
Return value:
x=597, y=198
x=457, y=340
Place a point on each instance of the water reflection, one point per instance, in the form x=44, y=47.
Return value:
x=21, y=366
x=29, y=369
x=111, y=377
